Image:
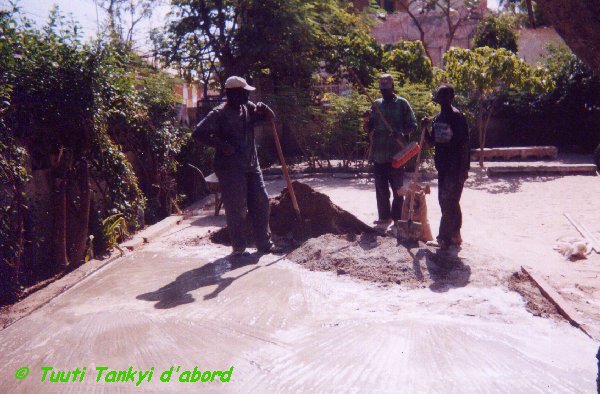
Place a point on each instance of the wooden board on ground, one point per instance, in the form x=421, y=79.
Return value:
x=561, y=304
x=521, y=168
x=526, y=152
x=587, y=234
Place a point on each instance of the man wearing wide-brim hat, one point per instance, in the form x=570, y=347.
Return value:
x=229, y=128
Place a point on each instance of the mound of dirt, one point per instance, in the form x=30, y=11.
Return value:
x=324, y=216
x=382, y=260
x=535, y=302
x=320, y=216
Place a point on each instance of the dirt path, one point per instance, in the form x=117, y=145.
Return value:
x=180, y=301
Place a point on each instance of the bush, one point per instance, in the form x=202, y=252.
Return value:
x=409, y=60
x=496, y=32
x=567, y=116
x=73, y=109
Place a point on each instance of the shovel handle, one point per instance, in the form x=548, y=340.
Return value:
x=417, y=165
x=383, y=119
x=286, y=174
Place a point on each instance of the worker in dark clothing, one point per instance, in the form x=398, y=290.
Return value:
x=229, y=128
x=450, y=134
x=598, y=376
x=398, y=113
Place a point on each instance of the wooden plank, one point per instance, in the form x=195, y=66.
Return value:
x=585, y=233
x=557, y=300
x=582, y=169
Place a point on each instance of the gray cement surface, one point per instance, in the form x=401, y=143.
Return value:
x=182, y=302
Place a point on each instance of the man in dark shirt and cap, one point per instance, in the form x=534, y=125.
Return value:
x=450, y=134
x=384, y=146
x=229, y=128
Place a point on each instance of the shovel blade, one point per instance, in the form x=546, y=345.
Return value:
x=406, y=229
x=301, y=230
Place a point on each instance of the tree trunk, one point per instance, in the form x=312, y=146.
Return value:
x=59, y=235
x=417, y=23
x=481, y=131
x=530, y=13
x=578, y=23
x=78, y=220
x=20, y=230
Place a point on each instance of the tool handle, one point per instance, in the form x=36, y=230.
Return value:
x=422, y=141
x=417, y=166
x=284, y=168
x=385, y=122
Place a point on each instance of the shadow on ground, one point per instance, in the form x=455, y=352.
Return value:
x=445, y=269
x=178, y=292
x=479, y=180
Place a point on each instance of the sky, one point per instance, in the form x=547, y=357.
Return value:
x=89, y=16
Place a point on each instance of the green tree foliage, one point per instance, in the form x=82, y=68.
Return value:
x=285, y=40
x=482, y=74
x=520, y=8
x=342, y=130
x=496, y=32
x=566, y=116
x=409, y=59
x=71, y=110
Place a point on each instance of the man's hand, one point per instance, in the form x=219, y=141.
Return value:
x=425, y=122
x=263, y=109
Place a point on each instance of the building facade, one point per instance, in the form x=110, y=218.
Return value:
x=395, y=23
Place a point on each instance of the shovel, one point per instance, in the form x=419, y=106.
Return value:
x=408, y=229
x=300, y=231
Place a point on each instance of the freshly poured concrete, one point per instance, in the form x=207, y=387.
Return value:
x=284, y=328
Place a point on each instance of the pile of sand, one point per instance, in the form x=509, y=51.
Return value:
x=382, y=260
x=320, y=216
x=339, y=242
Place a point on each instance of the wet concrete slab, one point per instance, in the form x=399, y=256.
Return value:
x=285, y=328
x=179, y=302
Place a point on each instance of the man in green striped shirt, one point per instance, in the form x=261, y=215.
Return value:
x=384, y=145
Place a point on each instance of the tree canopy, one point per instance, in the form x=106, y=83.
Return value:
x=482, y=73
x=496, y=32
x=285, y=40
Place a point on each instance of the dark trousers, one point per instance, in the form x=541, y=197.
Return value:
x=244, y=193
x=387, y=176
x=450, y=187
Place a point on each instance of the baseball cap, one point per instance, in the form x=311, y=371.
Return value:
x=386, y=81
x=237, y=82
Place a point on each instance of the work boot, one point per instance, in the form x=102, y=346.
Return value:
x=438, y=243
x=271, y=248
x=381, y=222
x=239, y=253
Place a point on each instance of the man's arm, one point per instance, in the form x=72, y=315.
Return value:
x=464, y=146
x=409, y=119
x=370, y=126
x=206, y=132
x=426, y=123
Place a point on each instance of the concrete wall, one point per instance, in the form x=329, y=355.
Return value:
x=533, y=43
